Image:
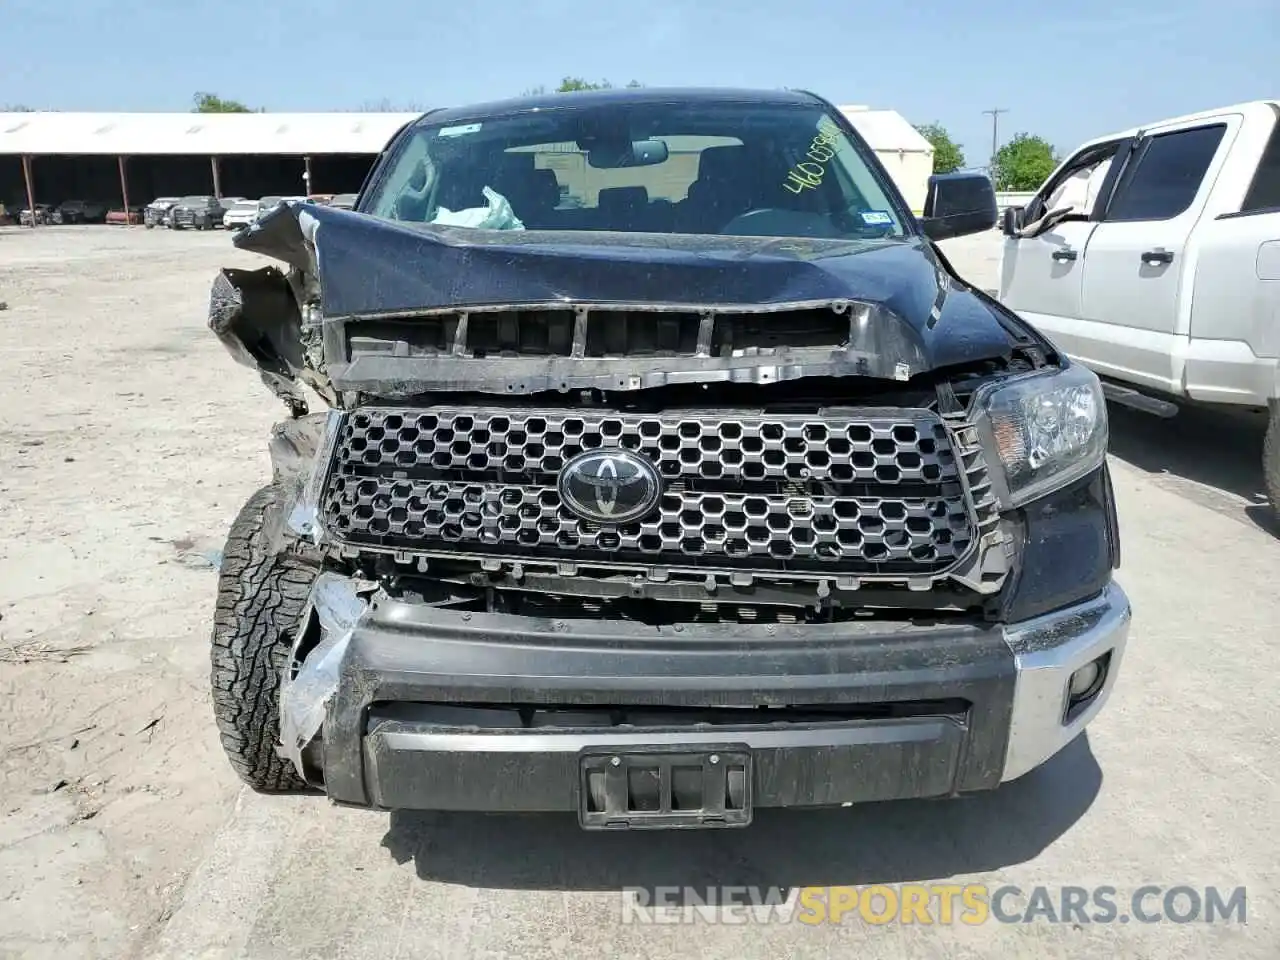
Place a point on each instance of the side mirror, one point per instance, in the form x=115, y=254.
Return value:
x=1011, y=221
x=959, y=204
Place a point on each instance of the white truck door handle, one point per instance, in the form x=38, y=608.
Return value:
x=1158, y=255
x=1064, y=254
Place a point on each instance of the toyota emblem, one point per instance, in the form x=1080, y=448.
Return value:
x=610, y=486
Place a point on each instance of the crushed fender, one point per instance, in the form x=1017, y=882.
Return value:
x=255, y=315
x=300, y=452
x=337, y=606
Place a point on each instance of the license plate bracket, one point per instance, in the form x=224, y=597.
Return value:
x=665, y=787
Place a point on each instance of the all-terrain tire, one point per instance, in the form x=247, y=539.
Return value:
x=261, y=596
x=1271, y=460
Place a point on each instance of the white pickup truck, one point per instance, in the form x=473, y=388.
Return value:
x=1153, y=256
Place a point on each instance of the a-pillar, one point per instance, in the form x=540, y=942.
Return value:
x=31, y=189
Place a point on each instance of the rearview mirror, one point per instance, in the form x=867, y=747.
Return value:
x=418, y=177
x=637, y=153
x=959, y=204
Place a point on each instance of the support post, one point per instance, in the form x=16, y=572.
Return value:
x=31, y=192
x=217, y=179
x=306, y=175
x=124, y=191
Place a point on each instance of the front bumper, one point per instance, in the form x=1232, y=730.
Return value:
x=435, y=709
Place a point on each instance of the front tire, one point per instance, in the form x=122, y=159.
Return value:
x=261, y=597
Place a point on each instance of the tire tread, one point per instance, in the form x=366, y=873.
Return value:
x=261, y=596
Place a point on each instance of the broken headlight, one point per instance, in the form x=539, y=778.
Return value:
x=1048, y=429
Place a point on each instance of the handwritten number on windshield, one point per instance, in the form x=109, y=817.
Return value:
x=808, y=173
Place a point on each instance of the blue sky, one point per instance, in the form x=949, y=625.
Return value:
x=1077, y=70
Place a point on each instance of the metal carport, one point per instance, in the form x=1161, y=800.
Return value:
x=101, y=156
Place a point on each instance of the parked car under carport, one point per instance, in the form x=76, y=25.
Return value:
x=126, y=217
x=200, y=213
x=155, y=211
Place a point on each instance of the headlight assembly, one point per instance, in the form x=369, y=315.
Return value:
x=1047, y=429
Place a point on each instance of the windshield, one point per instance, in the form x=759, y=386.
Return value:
x=245, y=205
x=194, y=201
x=734, y=169
x=268, y=202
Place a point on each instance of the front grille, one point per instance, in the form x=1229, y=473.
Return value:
x=876, y=491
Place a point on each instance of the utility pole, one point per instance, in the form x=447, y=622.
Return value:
x=995, y=133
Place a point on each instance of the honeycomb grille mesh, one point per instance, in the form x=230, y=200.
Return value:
x=855, y=492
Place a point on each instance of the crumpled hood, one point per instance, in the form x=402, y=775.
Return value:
x=368, y=266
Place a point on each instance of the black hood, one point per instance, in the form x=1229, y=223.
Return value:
x=411, y=309
x=369, y=267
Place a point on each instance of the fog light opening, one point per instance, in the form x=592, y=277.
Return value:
x=1084, y=680
x=1085, y=684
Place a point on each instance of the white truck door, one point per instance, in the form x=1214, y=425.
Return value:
x=1134, y=263
x=1233, y=355
x=1040, y=276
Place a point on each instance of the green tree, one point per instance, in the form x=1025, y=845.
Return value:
x=570, y=84
x=387, y=105
x=947, y=155
x=1023, y=163
x=211, y=103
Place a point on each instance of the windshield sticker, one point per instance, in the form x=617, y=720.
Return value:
x=460, y=131
x=877, y=218
x=808, y=173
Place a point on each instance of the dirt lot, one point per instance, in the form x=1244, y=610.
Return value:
x=129, y=441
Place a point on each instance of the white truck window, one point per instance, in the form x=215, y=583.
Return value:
x=1168, y=175
x=1264, y=191
x=1077, y=185
x=1080, y=188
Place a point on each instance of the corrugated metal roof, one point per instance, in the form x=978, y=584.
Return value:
x=886, y=130
x=296, y=134
x=198, y=134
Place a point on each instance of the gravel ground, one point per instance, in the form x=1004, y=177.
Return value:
x=130, y=439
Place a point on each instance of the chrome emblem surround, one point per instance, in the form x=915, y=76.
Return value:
x=609, y=486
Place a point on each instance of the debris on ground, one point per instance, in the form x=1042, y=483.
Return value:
x=151, y=725
x=38, y=651
x=202, y=559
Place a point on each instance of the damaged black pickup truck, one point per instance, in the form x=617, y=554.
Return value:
x=668, y=471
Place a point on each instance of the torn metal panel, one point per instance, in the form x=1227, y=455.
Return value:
x=335, y=608
x=255, y=316
x=301, y=450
